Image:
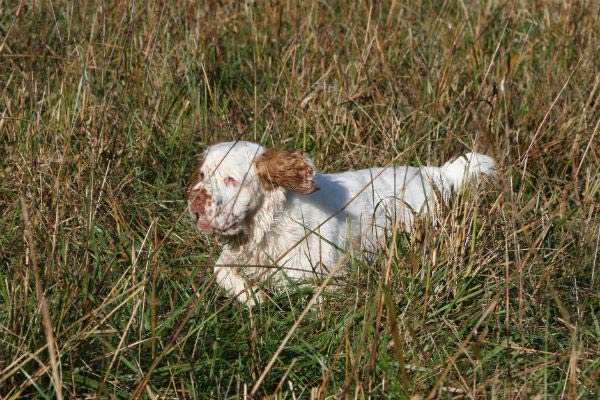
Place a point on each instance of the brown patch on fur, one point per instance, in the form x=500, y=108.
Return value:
x=287, y=169
x=196, y=177
x=198, y=200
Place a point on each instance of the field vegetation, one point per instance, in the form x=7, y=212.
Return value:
x=106, y=288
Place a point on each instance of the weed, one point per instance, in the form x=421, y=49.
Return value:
x=104, y=106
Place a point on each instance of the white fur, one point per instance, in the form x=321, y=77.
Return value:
x=306, y=235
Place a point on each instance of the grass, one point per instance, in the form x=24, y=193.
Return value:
x=104, y=105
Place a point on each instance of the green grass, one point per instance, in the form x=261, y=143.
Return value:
x=104, y=105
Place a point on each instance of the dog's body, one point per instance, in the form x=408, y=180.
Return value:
x=276, y=211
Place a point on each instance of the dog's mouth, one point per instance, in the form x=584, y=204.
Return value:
x=204, y=225
x=207, y=227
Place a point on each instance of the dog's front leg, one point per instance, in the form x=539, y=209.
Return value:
x=235, y=285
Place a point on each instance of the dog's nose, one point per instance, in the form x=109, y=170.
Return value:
x=195, y=216
x=194, y=212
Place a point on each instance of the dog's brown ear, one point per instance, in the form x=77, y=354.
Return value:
x=286, y=169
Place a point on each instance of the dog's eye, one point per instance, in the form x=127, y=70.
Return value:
x=229, y=181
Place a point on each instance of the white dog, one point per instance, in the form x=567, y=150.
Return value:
x=273, y=209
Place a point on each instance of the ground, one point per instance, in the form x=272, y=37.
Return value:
x=105, y=285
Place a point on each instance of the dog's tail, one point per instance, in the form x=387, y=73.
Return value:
x=470, y=167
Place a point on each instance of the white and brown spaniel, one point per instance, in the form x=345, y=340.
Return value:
x=274, y=210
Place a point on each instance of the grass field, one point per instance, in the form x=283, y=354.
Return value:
x=104, y=289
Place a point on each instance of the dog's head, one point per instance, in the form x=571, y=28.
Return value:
x=230, y=181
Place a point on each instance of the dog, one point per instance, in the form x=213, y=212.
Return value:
x=273, y=209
